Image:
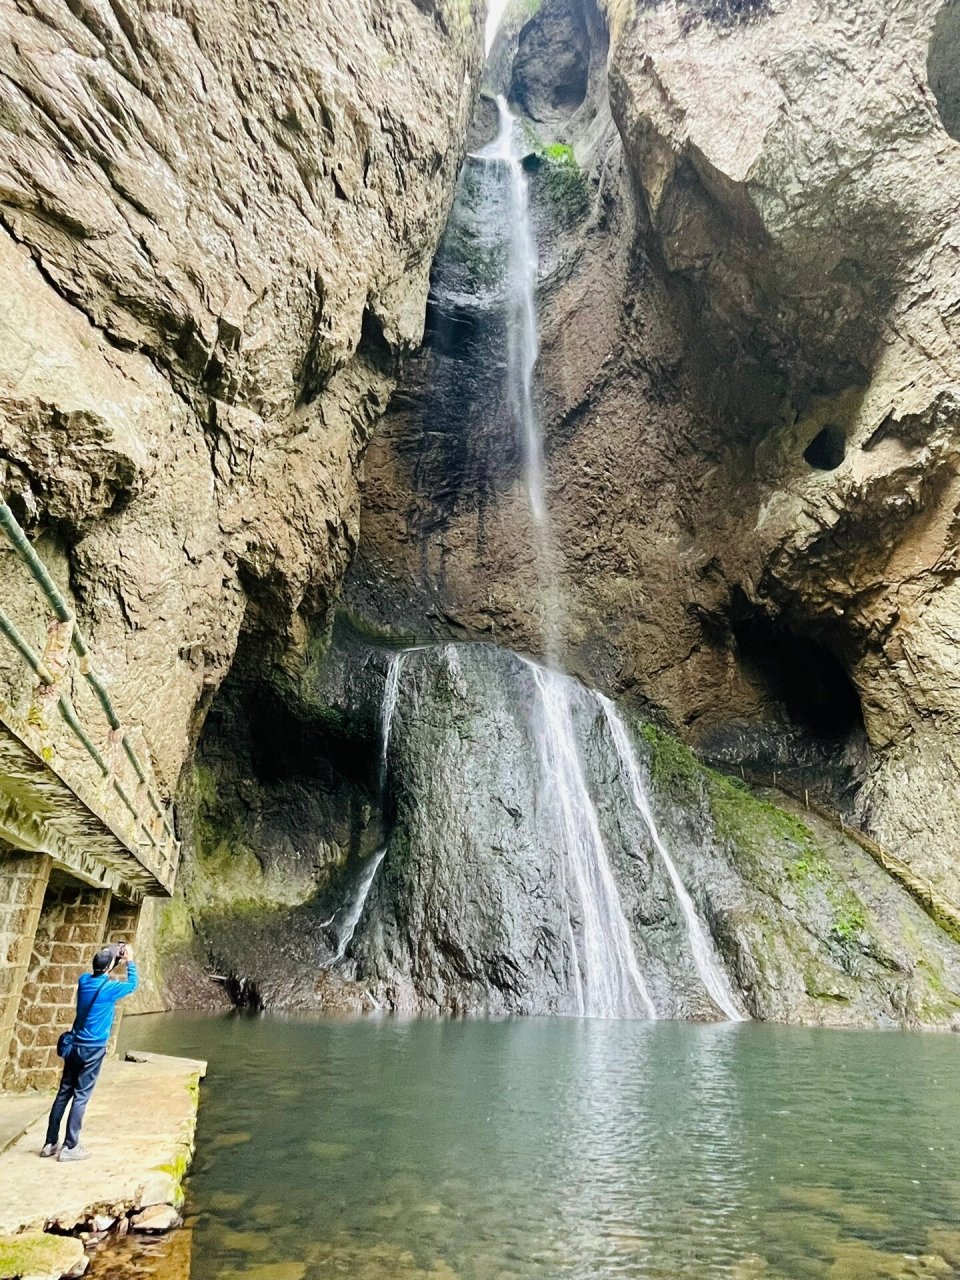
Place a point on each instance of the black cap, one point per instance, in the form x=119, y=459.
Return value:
x=105, y=958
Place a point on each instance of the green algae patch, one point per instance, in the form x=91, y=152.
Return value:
x=36, y=1253
x=754, y=827
x=674, y=769
x=562, y=180
x=520, y=11
x=849, y=915
x=176, y=1171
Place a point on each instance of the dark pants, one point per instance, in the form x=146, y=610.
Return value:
x=80, y=1071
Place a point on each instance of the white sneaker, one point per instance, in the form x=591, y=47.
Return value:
x=74, y=1153
x=50, y=1149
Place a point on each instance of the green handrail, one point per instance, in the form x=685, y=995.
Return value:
x=29, y=655
x=64, y=614
x=33, y=659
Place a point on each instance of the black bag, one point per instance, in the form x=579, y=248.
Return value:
x=66, y=1042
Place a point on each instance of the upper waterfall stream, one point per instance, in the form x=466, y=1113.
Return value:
x=591, y=952
x=605, y=972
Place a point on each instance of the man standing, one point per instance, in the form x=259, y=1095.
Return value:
x=97, y=996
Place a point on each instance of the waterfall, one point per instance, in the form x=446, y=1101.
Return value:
x=605, y=973
x=388, y=705
x=364, y=885
x=522, y=339
x=609, y=983
x=704, y=957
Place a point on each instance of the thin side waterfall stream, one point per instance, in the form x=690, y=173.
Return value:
x=711, y=973
x=358, y=902
x=361, y=891
x=391, y=690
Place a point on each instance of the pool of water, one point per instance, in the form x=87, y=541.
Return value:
x=559, y=1148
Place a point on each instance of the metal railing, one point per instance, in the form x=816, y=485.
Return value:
x=155, y=830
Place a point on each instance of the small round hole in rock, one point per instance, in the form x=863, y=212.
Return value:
x=827, y=449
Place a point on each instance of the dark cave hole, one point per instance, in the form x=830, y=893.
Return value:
x=551, y=69
x=827, y=449
x=943, y=66
x=284, y=745
x=800, y=674
x=567, y=97
x=244, y=993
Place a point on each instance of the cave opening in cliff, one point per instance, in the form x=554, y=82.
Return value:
x=799, y=675
x=943, y=66
x=290, y=778
x=551, y=69
x=827, y=449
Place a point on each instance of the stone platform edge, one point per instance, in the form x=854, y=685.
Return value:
x=141, y=1123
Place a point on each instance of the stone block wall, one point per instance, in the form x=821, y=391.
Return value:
x=122, y=922
x=73, y=921
x=23, y=883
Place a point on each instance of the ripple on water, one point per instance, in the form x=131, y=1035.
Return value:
x=562, y=1150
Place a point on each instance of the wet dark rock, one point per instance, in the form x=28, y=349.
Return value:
x=550, y=70
x=467, y=914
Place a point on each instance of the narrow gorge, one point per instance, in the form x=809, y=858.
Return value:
x=640, y=444
x=479, y=615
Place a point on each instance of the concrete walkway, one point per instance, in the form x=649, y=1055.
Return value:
x=18, y=1112
x=139, y=1131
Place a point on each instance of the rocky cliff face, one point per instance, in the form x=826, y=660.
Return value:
x=479, y=899
x=216, y=226
x=748, y=370
x=215, y=243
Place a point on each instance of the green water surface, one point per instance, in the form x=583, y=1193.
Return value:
x=559, y=1148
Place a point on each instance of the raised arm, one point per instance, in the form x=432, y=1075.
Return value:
x=129, y=984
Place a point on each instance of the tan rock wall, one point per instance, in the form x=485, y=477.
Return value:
x=216, y=226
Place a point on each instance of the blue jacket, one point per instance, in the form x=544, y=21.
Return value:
x=100, y=992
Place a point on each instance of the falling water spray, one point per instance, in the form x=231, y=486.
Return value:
x=605, y=975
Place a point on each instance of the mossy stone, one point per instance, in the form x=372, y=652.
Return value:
x=36, y=1253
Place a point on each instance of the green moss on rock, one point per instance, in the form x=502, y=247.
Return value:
x=674, y=769
x=754, y=827
x=37, y=1253
x=562, y=180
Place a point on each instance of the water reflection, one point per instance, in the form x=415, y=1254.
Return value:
x=564, y=1149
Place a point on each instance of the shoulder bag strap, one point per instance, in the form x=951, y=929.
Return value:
x=89, y=1009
